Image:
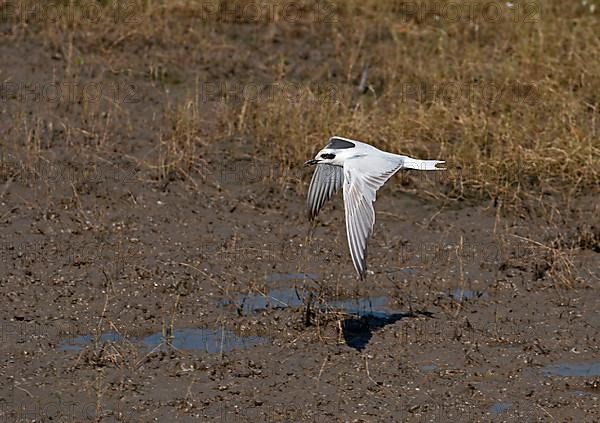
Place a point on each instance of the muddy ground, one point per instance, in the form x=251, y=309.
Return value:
x=133, y=293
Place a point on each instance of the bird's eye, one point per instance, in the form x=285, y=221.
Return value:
x=328, y=156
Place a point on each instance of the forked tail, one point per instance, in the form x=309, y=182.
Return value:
x=410, y=163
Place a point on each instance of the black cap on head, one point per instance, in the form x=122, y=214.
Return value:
x=339, y=144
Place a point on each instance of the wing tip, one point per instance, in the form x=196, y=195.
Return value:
x=360, y=265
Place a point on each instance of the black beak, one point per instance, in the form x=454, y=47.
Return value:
x=311, y=162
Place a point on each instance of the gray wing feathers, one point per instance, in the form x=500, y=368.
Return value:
x=360, y=217
x=325, y=182
x=360, y=189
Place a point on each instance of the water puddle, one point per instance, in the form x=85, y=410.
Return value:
x=211, y=341
x=374, y=312
x=466, y=294
x=376, y=307
x=580, y=393
x=77, y=343
x=280, y=298
x=277, y=298
x=428, y=368
x=500, y=407
x=573, y=369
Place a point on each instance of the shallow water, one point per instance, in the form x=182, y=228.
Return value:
x=580, y=393
x=572, y=369
x=427, y=368
x=466, y=294
x=276, y=298
x=279, y=298
x=365, y=307
x=500, y=407
x=77, y=343
x=211, y=341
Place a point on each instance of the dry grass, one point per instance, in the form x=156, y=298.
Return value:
x=178, y=153
x=507, y=95
x=511, y=107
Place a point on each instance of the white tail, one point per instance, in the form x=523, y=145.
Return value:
x=410, y=163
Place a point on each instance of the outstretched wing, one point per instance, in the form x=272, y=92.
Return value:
x=325, y=182
x=362, y=178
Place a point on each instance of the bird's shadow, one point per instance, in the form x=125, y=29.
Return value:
x=358, y=329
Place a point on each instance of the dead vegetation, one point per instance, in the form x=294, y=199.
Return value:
x=505, y=92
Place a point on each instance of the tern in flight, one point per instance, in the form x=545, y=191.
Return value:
x=362, y=169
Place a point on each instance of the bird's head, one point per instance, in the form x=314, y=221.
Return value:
x=335, y=152
x=325, y=156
